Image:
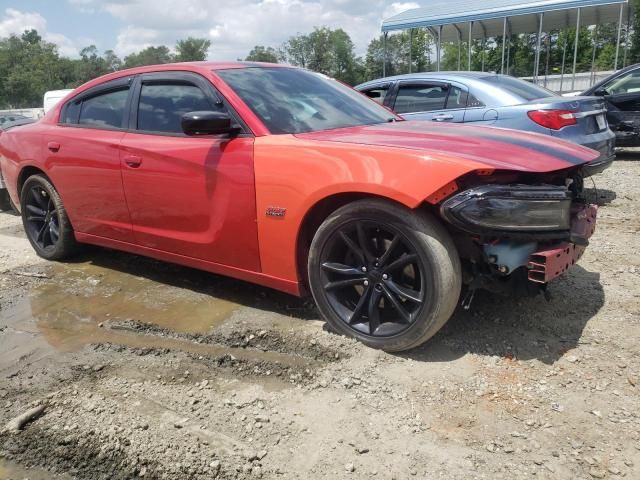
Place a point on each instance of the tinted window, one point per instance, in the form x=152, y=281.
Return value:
x=628, y=83
x=104, y=110
x=71, y=112
x=289, y=100
x=472, y=101
x=162, y=106
x=377, y=94
x=457, y=98
x=420, y=98
x=519, y=88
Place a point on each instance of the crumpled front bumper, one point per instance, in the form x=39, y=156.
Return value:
x=545, y=265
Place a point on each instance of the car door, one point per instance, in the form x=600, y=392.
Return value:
x=427, y=100
x=622, y=95
x=82, y=154
x=192, y=196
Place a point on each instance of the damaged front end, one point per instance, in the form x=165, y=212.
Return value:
x=517, y=232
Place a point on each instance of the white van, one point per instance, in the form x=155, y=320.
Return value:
x=52, y=97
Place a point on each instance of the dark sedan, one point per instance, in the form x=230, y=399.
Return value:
x=621, y=93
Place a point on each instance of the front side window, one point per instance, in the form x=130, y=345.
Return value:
x=421, y=98
x=162, y=105
x=102, y=110
x=628, y=83
x=290, y=100
x=377, y=94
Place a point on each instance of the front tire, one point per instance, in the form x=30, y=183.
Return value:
x=383, y=274
x=45, y=220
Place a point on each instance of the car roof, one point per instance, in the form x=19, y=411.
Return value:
x=210, y=65
x=196, y=67
x=434, y=75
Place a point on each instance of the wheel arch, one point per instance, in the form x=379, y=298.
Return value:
x=315, y=216
x=28, y=171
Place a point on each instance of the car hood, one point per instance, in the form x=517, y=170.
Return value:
x=495, y=148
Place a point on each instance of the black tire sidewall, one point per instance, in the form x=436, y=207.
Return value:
x=416, y=229
x=66, y=240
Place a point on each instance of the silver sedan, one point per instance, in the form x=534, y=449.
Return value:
x=497, y=101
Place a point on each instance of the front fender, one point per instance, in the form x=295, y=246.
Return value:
x=292, y=175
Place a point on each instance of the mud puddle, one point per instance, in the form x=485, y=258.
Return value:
x=84, y=304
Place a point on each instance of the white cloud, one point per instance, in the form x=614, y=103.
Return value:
x=235, y=26
x=15, y=22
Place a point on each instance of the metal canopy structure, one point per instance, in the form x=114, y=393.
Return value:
x=451, y=21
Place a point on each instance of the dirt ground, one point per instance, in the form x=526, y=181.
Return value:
x=149, y=370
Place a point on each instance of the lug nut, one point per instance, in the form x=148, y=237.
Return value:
x=503, y=269
x=385, y=276
x=364, y=269
x=366, y=283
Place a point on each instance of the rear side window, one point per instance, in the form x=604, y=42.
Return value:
x=162, y=105
x=473, y=102
x=519, y=88
x=420, y=98
x=457, y=98
x=103, y=110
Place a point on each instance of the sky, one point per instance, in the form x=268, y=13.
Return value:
x=233, y=26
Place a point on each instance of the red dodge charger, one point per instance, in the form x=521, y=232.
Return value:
x=289, y=179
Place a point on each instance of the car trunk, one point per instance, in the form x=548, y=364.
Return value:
x=590, y=112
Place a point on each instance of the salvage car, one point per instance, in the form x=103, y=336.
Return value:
x=485, y=98
x=7, y=121
x=292, y=180
x=621, y=94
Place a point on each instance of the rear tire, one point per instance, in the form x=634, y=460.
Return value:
x=383, y=274
x=45, y=220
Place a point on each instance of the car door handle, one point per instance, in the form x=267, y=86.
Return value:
x=443, y=117
x=133, y=161
x=53, y=146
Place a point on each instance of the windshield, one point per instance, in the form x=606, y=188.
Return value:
x=520, y=88
x=290, y=100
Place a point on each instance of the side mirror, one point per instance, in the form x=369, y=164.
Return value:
x=207, y=123
x=600, y=92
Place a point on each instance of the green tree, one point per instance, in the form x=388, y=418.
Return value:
x=260, y=53
x=29, y=66
x=149, y=56
x=326, y=51
x=192, y=49
x=404, y=50
x=112, y=61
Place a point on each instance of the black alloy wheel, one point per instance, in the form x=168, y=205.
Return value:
x=42, y=219
x=384, y=274
x=45, y=219
x=372, y=278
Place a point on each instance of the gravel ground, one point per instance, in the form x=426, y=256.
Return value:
x=148, y=370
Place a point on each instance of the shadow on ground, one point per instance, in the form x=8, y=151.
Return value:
x=600, y=196
x=627, y=155
x=525, y=328
x=522, y=328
